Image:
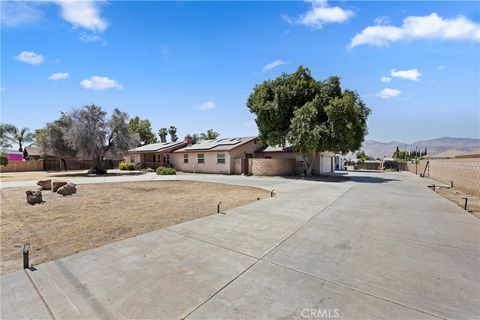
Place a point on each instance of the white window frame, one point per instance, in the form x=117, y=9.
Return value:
x=202, y=158
x=221, y=160
x=185, y=158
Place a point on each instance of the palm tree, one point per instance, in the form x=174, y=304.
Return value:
x=19, y=136
x=210, y=135
x=162, y=133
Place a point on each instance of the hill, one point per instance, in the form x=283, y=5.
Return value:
x=379, y=149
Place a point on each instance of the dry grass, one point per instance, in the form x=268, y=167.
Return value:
x=102, y=213
x=37, y=175
x=42, y=175
x=457, y=197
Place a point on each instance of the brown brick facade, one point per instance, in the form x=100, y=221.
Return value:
x=271, y=167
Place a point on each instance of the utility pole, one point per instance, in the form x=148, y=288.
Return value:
x=416, y=160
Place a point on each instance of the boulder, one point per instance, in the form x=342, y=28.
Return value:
x=68, y=189
x=57, y=184
x=45, y=184
x=34, y=196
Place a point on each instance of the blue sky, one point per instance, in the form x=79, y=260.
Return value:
x=193, y=64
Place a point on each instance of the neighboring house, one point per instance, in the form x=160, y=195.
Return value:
x=12, y=155
x=226, y=155
x=323, y=162
x=32, y=152
x=449, y=154
x=154, y=155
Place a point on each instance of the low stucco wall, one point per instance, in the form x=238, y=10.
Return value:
x=271, y=167
x=465, y=173
x=19, y=166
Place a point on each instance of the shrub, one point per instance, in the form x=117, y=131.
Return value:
x=122, y=165
x=97, y=171
x=3, y=159
x=166, y=171
x=148, y=170
x=126, y=166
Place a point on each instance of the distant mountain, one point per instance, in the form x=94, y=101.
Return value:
x=378, y=149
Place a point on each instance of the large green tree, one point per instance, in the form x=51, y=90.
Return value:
x=90, y=134
x=144, y=129
x=51, y=139
x=9, y=132
x=311, y=115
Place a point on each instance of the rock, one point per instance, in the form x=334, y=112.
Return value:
x=57, y=184
x=34, y=196
x=45, y=184
x=68, y=189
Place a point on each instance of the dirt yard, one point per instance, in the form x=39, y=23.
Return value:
x=102, y=213
x=41, y=175
x=458, y=197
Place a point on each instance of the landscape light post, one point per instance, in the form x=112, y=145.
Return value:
x=26, y=250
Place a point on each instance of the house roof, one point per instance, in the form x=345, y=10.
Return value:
x=155, y=147
x=224, y=144
x=10, y=151
x=452, y=153
x=34, y=150
x=267, y=149
x=472, y=154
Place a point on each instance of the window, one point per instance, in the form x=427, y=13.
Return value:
x=185, y=158
x=220, y=157
x=132, y=159
x=201, y=158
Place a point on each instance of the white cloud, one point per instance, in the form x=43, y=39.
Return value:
x=441, y=67
x=59, y=75
x=320, y=14
x=100, y=83
x=90, y=37
x=272, y=65
x=412, y=74
x=388, y=93
x=80, y=13
x=207, y=105
x=385, y=79
x=15, y=13
x=419, y=27
x=382, y=20
x=83, y=14
x=30, y=57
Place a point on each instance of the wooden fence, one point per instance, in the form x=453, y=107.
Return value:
x=54, y=164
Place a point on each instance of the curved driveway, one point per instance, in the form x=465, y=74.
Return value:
x=379, y=246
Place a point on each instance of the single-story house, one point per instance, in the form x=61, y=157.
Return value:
x=226, y=155
x=242, y=155
x=154, y=155
x=13, y=155
x=32, y=152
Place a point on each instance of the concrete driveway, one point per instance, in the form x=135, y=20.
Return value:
x=379, y=246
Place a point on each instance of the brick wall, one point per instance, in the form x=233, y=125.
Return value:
x=465, y=173
x=19, y=166
x=271, y=167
